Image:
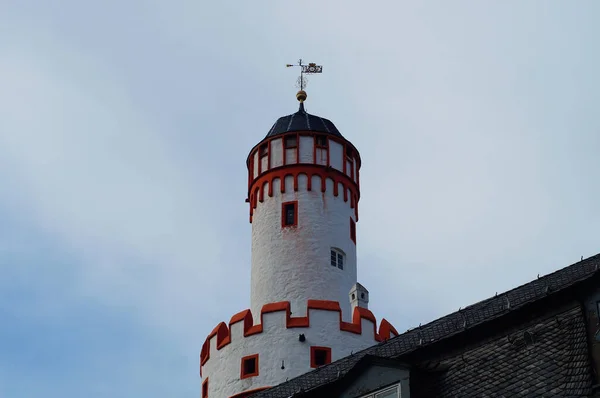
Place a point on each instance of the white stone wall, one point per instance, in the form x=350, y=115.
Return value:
x=275, y=344
x=293, y=264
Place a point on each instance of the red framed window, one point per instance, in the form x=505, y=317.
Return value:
x=205, y=388
x=289, y=214
x=249, y=366
x=291, y=141
x=319, y=356
x=353, y=230
x=321, y=151
x=264, y=150
x=321, y=141
x=349, y=162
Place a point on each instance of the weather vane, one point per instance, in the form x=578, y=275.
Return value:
x=305, y=69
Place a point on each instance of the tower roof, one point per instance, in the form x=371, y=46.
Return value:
x=303, y=121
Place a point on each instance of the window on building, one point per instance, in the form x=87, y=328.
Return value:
x=319, y=356
x=249, y=366
x=349, y=162
x=291, y=142
x=337, y=258
x=205, y=389
x=264, y=150
x=388, y=392
x=353, y=230
x=289, y=214
x=321, y=141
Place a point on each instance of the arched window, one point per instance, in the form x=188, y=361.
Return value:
x=338, y=258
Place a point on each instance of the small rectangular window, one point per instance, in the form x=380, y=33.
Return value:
x=319, y=356
x=349, y=152
x=337, y=258
x=264, y=150
x=289, y=216
x=249, y=366
x=353, y=230
x=205, y=389
x=291, y=142
x=321, y=141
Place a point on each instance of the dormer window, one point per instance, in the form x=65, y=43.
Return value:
x=388, y=392
x=337, y=258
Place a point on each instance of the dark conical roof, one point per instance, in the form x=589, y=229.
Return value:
x=302, y=121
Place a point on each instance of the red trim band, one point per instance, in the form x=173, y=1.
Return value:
x=223, y=333
x=257, y=188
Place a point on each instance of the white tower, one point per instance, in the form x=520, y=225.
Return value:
x=307, y=308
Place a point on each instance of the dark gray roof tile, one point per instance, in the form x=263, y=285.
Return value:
x=459, y=321
x=303, y=121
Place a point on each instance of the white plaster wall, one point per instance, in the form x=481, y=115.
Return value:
x=307, y=145
x=276, y=153
x=293, y=264
x=336, y=153
x=275, y=344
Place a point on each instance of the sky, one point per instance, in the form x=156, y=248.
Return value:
x=124, y=130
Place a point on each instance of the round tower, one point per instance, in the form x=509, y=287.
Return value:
x=307, y=308
x=303, y=189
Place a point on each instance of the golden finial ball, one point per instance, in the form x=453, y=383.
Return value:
x=301, y=96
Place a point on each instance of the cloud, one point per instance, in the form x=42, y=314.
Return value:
x=124, y=128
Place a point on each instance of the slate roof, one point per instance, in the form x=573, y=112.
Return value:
x=551, y=361
x=445, y=327
x=303, y=121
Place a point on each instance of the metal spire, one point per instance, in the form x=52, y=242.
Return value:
x=305, y=69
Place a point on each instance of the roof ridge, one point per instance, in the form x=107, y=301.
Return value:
x=579, y=274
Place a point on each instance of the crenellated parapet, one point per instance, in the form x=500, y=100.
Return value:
x=283, y=346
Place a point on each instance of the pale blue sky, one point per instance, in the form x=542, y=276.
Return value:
x=124, y=129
